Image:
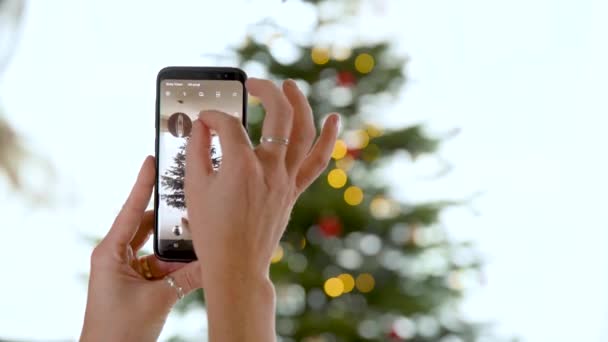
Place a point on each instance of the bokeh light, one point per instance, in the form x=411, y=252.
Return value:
x=357, y=139
x=364, y=63
x=400, y=233
x=383, y=208
x=291, y=299
x=353, y=195
x=277, y=255
x=341, y=53
x=333, y=287
x=404, y=328
x=319, y=55
x=369, y=329
x=340, y=96
x=297, y=262
x=345, y=163
x=337, y=178
x=373, y=131
x=370, y=244
x=340, y=149
x=349, y=259
x=348, y=281
x=365, y=282
x=316, y=299
x=283, y=50
x=427, y=326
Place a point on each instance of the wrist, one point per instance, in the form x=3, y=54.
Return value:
x=236, y=280
x=246, y=298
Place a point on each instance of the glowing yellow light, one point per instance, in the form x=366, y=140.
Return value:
x=348, y=281
x=383, y=208
x=337, y=178
x=353, y=195
x=363, y=138
x=365, y=282
x=277, y=255
x=340, y=149
x=364, y=63
x=373, y=131
x=303, y=243
x=333, y=287
x=319, y=55
x=345, y=163
x=253, y=100
x=371, y=153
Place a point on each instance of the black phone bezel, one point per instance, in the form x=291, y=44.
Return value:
x=187, y=73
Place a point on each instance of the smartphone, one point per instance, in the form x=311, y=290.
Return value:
x=181, y=93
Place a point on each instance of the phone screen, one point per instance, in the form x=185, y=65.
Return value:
x=179, y=103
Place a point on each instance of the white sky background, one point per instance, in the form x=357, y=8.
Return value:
x=524, y=80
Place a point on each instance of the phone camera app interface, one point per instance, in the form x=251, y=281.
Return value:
x=181, y=102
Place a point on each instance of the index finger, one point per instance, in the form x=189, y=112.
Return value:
x=233, y=137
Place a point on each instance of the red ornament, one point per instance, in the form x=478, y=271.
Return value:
x=393, y=336
x=330, y=226
x=354, y=152
x=346, y=79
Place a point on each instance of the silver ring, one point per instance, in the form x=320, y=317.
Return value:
x=179, y=290
x=274, y=140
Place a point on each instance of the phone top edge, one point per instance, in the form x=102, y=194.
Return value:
x=200, y=72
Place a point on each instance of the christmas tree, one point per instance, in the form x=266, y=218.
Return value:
x=173, y=180
x=355, y=264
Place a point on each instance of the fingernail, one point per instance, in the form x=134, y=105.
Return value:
x=290, y=82
x=337, y=121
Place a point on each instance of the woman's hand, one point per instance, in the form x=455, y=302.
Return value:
x=238, y=214
x=128, y=299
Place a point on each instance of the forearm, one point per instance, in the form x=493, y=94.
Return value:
x=119, y=331
x=240, y=308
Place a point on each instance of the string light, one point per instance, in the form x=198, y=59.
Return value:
x=364, y=63
x=365, y=282
x=345, y=163
x=277, y=255
x=337, y=178
x=348, y=281
x=319, y=55
x=333, y=287
x=373, y=131
x=340, y=150
x=383, y=208
x=353, y=195
x=341, y=53
x=357, y=139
